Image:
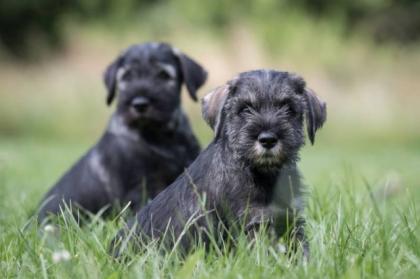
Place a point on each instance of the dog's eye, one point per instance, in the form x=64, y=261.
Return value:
x=291, y=110
x=287, y=106
x=128, y=75
x=281, y=104
x=245, y=110
x=163, y=75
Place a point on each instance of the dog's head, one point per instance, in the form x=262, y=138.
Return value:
x=148, y=78
x=260, y=114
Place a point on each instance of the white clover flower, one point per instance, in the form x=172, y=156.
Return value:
x=61, y=256
x=49, y=229
x=281, y=248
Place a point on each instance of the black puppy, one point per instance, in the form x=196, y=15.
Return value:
x=248, y=174
x=148, y=142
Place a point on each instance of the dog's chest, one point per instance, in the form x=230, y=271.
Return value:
x=272, y=196
x=156, y=164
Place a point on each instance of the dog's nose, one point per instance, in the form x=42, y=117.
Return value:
x=267, y=139
x=140, y=104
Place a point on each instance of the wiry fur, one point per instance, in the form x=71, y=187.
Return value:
x=141, y=152
x=240, y=181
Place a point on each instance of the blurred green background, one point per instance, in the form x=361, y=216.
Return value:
x=362, y=57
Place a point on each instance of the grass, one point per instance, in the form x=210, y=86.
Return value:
x=363, y=221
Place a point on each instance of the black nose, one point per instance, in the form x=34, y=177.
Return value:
x=267, y=139
x=140, y=104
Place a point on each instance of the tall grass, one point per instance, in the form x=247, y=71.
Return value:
x=362, y=223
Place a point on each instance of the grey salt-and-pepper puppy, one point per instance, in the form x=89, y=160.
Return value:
x=248, y=174
x=148, y=142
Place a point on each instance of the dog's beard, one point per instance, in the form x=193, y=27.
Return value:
x=149, y=119
x=153, y=122
x=267, y=158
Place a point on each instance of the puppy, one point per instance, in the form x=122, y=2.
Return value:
x=248, y=174
x=148, y=142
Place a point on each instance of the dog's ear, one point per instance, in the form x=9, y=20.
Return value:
x=110, y=78
x=212, y=105
x=316, y=112
x=193, y=74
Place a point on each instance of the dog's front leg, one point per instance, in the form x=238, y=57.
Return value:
x=298, y=237
x=260, y=220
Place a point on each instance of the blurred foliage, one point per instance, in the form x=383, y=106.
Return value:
x=28, y=23
x=385, y=20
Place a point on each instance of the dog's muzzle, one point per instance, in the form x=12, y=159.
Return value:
x=267, y=150
x=267, y=140
x=140, y=105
